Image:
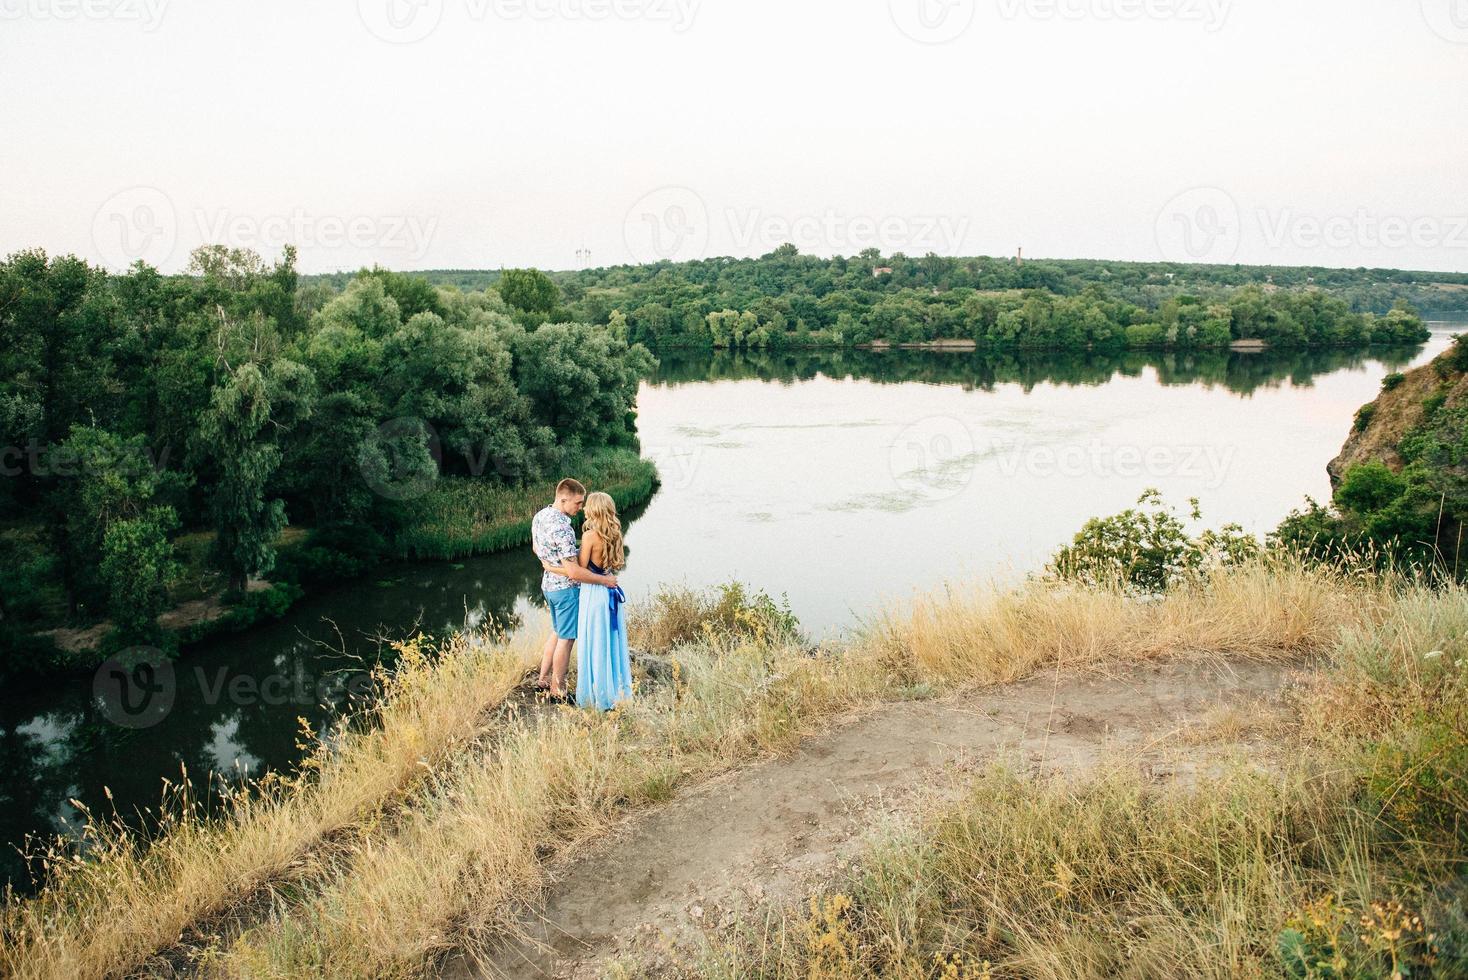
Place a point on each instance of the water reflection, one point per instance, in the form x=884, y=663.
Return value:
x=1237, y=371
x=238, y=698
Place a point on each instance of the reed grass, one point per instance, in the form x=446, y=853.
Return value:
x=121, y=901
x=462, y=517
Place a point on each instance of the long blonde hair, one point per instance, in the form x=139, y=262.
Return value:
x=601, y=517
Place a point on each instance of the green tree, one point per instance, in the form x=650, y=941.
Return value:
x=321, y=466
x=137, y=564
x=238, y=281
x=581, y=382
x=460, y=380
x=530, y=290
x=237, y=434
x=364, y=306
x=102, y=479
x=731, y=328
x=413, y=294
x=53, y=362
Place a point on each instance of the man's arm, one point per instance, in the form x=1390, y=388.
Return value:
x=576, y=573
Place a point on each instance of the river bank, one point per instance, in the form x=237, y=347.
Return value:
x=450, y=519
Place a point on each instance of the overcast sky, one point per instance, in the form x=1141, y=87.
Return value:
x=480, y=133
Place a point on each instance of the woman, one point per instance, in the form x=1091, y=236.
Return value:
x=603, y=667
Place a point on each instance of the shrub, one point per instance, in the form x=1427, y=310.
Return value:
x=1458, y=354
x=1369, y=487
x=1391, y=381
x=23, y=654
x=332, y=554
x=1419, y=783
x=1315, y=532
x=1325, y=939
x=252, y=607
x=678, y=615
x=1381, y=518
x=137, y=563
x=1146, y=549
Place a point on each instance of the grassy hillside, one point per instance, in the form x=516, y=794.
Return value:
x=1401, y=480
x=1405, y=404
x=420, y=830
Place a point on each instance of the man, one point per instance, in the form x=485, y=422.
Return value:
x=554, y=542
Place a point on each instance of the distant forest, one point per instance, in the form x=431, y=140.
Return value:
x=785, y=299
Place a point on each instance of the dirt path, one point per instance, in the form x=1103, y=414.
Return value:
x=764, y=832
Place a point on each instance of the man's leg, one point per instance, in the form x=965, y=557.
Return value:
x=562, y=666
x=547, y=659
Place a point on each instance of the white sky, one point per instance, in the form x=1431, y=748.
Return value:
x=515, y=132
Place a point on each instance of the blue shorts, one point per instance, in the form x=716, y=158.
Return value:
x=565, y=610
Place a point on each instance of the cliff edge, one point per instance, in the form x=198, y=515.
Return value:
x=1401, y=407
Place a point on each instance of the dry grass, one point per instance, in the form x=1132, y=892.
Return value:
x=462, y=863
x=441, y=826
x=472, y=848
x=1050, y=879
x=468, y=844
x=1255, y=719
x=1272, y=608
x=1410, y=660
x=1343, y=857
x=125, y=901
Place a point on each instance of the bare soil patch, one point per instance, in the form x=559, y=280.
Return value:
x=769, y=831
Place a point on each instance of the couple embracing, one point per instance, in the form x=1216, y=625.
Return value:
x=580, y=586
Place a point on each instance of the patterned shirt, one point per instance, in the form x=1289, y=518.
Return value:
x=553, y=539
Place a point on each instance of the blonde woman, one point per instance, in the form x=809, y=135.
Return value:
x=603, y=667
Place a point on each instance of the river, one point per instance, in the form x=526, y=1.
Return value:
x=841, y=479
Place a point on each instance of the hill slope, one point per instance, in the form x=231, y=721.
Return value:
x=1402, y=408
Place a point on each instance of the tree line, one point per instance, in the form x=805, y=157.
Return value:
x=785, y=299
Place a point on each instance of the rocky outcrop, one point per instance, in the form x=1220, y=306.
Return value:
x=1398, y=409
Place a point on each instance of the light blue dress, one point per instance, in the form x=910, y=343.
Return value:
x=603, y=666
